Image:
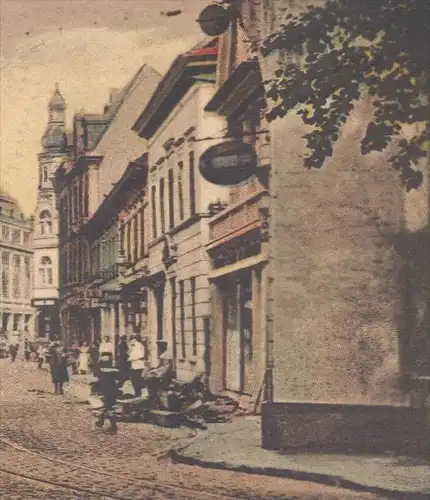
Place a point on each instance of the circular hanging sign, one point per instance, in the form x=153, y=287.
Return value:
x=228, y=163
x=214, y=19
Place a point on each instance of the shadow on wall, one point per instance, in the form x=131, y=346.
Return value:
x=414, y=327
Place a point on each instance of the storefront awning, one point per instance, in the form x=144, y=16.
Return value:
x=238, y=266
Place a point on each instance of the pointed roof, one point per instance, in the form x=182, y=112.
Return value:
x=57, y=100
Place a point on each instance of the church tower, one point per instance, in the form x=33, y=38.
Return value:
x=46, y=230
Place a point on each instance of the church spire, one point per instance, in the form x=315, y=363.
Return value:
x=53, y=138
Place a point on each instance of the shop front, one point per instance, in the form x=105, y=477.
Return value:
x=238, y=316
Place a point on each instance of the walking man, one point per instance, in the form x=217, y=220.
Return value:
x=137, y=359
x=108, y=378
x=58, y=365
x=123, y=364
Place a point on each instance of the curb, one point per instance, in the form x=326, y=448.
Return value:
x=320, y=478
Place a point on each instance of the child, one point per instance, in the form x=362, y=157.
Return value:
x=108, y=387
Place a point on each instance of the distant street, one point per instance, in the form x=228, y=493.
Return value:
x=50, y=449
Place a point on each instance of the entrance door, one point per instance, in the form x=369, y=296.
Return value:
x=238, y=333
x=232, y=340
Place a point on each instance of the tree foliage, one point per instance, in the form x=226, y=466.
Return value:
x=347, y=47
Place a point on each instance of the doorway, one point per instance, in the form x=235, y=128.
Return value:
x=238, y=333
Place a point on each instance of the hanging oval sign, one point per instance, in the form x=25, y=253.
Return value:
x=228, y=163
x=214, y=19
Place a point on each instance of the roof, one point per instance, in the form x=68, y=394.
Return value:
x=57, y=100
x=132, y=181
x=10, y=206
x=201, y=59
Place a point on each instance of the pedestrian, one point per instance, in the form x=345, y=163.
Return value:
x=26, y=349
x=94, y=355
x=58, y=365
x=13, y=351
x=83, y=358
x=123, y=364
x=137, y=359
x=108, y=386
x=106, y=347
x=40, y=353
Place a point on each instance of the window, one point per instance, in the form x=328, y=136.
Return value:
x=162, y=208
x=75, y=201
x=5, y=262
x=45, y=222
x=154, y=211
x=193, y=314
x=5, y=234
x=171, y=200
x=135, y=238
x=45, y=271
x=122, y=239
x=16, y=276
x=45, y=174
x=192, y=185
x=128, y=242
x=173, y=315
x=182, y=317
x=27, y=275
x=181, y=189
x=26, y=237
x=142, y=232
x=86, y=197
x=16, y=321
x=16, y=236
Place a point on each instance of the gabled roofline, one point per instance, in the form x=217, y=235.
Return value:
x=174, y=85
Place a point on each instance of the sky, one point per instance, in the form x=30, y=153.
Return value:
x=88, y=47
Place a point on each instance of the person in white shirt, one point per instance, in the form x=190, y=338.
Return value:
x=106, y=347
x=137, y=360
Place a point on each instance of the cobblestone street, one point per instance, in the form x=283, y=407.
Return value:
x=50, y=449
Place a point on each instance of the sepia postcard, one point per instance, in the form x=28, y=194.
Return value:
x=214, y=249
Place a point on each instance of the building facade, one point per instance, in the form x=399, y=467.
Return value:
x=17, y=314
x=176, y=264
x=55, y=144
x=347, y=270
x=103, y=147
x=238, y=237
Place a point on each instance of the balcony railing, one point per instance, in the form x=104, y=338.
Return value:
x=107, y=274
x=237, y=217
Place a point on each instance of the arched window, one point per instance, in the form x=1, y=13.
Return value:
x=45, y=271
x=45, y=222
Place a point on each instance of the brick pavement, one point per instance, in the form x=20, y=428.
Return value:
x=62, y=429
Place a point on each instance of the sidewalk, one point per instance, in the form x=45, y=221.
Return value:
x=236, y=446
